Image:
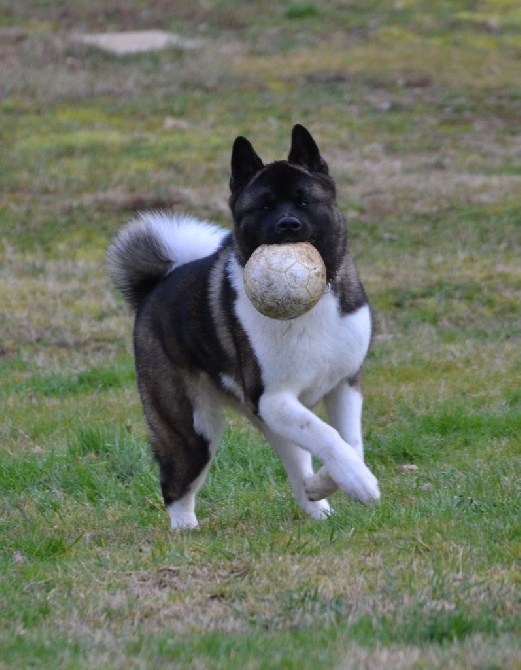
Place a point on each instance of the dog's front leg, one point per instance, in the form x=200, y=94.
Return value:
x=285, y=415
x=344, y=409
x=299, y=467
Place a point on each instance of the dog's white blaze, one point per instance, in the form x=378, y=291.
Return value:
x=185, y=238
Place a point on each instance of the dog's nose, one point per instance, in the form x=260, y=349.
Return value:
x=288, y=225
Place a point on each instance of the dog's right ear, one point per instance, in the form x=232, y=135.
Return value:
x=245, y=164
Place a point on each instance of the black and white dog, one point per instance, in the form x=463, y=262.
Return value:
x=201, y=345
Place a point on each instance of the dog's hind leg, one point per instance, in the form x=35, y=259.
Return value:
x=299, y=467
x=184, y=438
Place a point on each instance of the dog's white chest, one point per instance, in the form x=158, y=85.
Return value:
x=309, y=355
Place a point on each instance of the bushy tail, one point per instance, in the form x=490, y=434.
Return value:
x=149, y=247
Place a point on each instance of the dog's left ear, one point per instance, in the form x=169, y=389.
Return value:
x=245, y=163
x=304, y=151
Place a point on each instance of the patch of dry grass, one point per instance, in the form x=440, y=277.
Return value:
x=475, y=654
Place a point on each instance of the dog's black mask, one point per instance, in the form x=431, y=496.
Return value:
x=285, y=201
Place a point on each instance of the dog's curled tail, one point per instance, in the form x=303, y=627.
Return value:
x=145, y=250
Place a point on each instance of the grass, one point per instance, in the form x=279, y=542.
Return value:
x=416, y=106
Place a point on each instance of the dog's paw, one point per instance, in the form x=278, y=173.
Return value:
x=317, y=509
x=355, y=480
x=182, y=519
x=361, y=484
x=183, y=524
x=320, y=485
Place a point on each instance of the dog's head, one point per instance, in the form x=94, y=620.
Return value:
x=286, y=201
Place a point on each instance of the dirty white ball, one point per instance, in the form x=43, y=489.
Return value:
x=284, y=281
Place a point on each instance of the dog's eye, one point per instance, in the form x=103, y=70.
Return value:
x=300, y=199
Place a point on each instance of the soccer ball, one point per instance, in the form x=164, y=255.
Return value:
x=284, y=281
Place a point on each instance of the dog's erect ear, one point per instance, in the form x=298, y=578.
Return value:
x=304, y=151
x=245, y=163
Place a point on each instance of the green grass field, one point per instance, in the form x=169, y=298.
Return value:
x=416, y=105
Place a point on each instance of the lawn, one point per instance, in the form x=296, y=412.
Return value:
x=416, y=105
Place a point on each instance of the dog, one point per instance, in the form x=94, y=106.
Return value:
x=200, y=345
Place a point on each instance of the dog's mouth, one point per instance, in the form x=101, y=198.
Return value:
x=292, y=239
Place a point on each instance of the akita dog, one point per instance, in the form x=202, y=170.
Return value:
x=200, y=345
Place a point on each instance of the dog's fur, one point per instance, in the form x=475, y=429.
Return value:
x=200, y=344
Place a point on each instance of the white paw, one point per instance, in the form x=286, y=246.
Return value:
x=317, y=509
x=181, y=519
x=355, y=480
x=180, y=523
x=320, y=485
x=360, y=484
